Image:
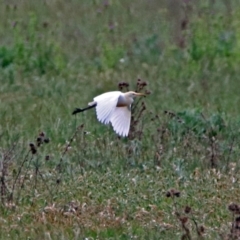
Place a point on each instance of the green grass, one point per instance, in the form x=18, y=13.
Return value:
x=88, y=183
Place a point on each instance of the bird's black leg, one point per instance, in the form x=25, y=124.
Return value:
x=77, y=110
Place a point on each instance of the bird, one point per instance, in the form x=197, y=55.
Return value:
x=113, y=107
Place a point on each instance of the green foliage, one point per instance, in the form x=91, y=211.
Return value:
x=147, y=49
x=111, y=56
x=6, y=56
x=195, y=121
x=31, y=51
x=212, y=40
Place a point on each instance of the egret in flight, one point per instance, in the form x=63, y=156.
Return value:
x=114, y=107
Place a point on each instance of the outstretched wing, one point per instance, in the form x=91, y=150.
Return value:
x=120, y=119
x=106, y=104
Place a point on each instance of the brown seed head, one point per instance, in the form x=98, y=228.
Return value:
x=46, y=140
x=234, y=208
x=187, y=209
x=183, y=220
x=173, y=193
x=32, y=148
x=237, y=219
x=125, y=84
x=80, y=127
x=41, y=134
x=45, y=24
x=168, y=194
x=184, y=24
x=39, y=141
x=201, y=229
x=177, y=194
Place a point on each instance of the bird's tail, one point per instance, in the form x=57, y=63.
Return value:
x=77, y=110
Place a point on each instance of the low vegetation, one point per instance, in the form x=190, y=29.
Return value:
x=70, y=177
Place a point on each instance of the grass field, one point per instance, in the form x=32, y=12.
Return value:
x=69, y=177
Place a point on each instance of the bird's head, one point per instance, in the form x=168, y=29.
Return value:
x=132, y=94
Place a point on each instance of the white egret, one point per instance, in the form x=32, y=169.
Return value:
x=114, y=107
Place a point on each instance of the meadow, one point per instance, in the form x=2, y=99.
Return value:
x=70, y=177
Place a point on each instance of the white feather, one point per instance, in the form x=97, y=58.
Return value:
x=106, y=104
x=120, y=119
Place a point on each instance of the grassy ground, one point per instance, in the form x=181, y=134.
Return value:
x=66, y=177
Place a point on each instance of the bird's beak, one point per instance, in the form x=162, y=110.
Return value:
x=140, y=94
